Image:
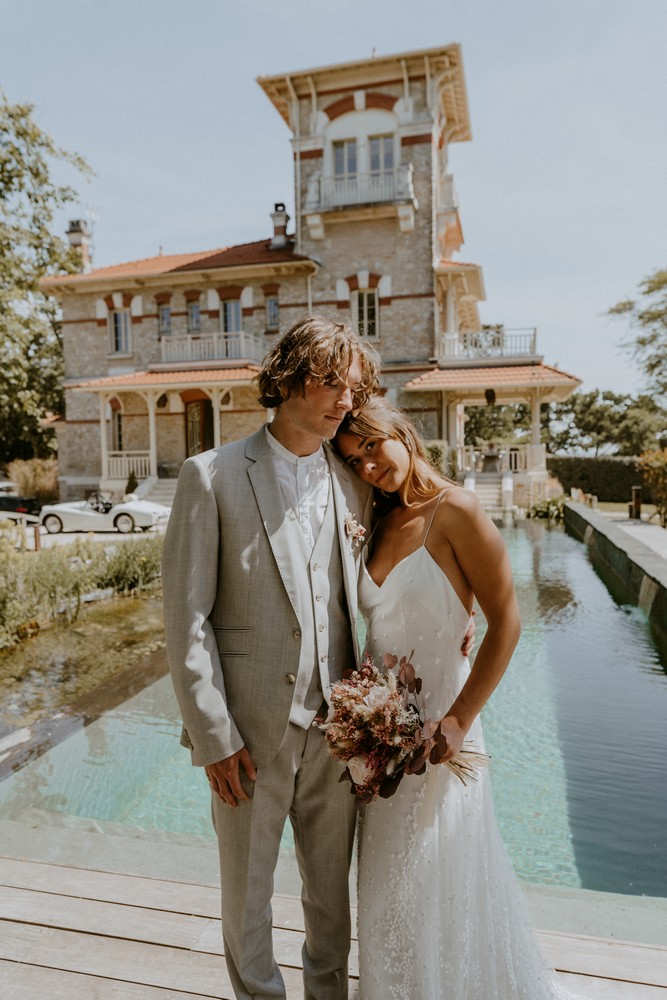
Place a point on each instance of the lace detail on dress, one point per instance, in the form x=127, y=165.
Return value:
x=441, y=914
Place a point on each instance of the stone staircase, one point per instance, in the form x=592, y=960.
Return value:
x=488, y=488
x=161, y=491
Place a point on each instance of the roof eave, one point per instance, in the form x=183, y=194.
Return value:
x=281, y=88
x=86, y=284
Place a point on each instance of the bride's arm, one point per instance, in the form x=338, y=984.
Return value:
x=462, y=523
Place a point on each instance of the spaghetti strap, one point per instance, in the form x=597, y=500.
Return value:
x=426, y=534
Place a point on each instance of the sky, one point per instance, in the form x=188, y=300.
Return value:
x=561, y=190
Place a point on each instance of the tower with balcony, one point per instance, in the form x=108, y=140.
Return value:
x=376, y=209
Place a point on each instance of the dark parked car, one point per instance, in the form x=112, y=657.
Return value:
x=10, y=503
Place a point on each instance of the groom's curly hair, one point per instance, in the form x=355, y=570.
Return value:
x=316, y=350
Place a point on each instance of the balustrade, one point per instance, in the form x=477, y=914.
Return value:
x=360, y=189
x=122, y=463
x=212, y=347
x=493, y=343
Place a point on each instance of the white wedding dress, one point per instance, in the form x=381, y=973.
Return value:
x=441, y=914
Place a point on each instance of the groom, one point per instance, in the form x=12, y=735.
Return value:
x=260, y=610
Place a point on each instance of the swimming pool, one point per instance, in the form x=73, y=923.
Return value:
x=576, y=731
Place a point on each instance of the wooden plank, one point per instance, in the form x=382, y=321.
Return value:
x=593, y=988
x=134, y=923
x=25, y=982
x=133, y=890
x=287, y=945
x=127, y=961
x=607, y=959
x=110, y=919
x=137, y=890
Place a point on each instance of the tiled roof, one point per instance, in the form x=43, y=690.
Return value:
x=137, y=380
x=259, y=252
x=495, y=376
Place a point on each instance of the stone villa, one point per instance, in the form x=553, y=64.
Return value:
x=161, y=353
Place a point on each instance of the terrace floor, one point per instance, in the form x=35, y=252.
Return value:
x=73, y=933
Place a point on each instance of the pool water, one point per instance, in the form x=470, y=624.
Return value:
x=576, y=731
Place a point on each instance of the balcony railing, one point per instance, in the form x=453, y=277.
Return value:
x=491, y=344
x=122, y=463
x=360, y=189
x=507, y=458
x=212, y=347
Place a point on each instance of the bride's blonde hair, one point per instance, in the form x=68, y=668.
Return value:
x=378, y=418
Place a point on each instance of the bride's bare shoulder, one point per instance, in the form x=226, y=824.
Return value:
x=456, y=498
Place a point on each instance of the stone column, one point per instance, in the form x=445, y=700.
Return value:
x=104, y=444
x=216, y=396
x=535, y=402
x=151, y=398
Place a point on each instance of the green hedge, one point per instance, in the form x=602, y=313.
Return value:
x=609, y=478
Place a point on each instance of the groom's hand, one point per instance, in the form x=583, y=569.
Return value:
x=469, y=637
x=225, y=777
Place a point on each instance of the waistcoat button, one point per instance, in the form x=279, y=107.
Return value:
x=290, y=679
x=297, y=633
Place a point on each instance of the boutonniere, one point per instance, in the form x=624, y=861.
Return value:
x=354, y=531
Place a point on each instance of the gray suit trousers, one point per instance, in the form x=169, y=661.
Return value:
x=302, y=782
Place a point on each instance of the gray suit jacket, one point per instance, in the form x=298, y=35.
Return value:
x=231, y=597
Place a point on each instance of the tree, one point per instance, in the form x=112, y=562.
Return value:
x=648, y=315
x=496, y=423
x=605, y=423
x=30, y=335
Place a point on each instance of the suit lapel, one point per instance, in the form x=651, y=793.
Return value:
x=282, y=530
x=341, y=485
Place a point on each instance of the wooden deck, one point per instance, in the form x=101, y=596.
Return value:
x=71, y=933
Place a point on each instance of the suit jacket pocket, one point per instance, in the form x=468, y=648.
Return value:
x=233, y=640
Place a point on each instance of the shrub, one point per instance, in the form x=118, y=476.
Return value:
x=609, y=478
x=436, y=452
x=35, y=477
x=654, y=466
x=552, y=508
x=132, y=565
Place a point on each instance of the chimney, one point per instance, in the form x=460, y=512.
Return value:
x=79, y=235
x=280, y=218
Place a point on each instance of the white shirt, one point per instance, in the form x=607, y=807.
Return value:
x=304, y=485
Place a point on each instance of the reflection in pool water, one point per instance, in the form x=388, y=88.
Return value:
x=576, y=731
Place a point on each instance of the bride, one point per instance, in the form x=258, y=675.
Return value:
x=441, y=914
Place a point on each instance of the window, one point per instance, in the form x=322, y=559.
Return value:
x=194, y=317
x=381, y=150
x=164, y=320
x=116, y=430
x=272, y=312
x=365, y=312
x=345, y=159
x=119, y=331
x=230, y=315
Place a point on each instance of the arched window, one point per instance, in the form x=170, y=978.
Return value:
x=361, y=155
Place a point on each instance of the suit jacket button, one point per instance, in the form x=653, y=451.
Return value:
x=290, y=679
x=297, y=633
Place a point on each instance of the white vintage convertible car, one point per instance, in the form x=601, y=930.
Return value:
x=98, y=513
